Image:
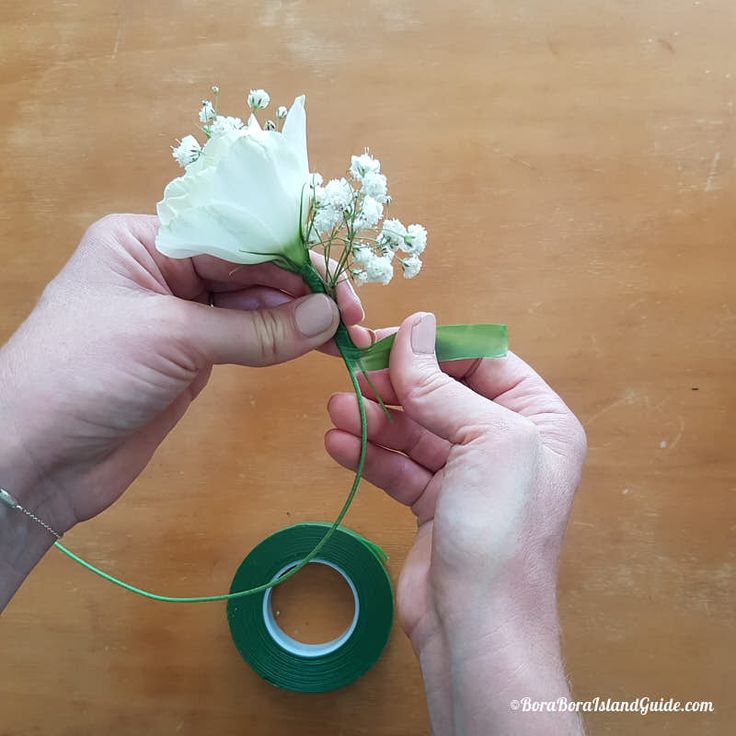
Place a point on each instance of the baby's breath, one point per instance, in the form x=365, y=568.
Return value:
x=187, y=151
x=346, y=216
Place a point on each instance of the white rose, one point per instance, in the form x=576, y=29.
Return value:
x=244, y=199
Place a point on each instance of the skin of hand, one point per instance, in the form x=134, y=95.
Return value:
x=488, y=458
x=118, y=346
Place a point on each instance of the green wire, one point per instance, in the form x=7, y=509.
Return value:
x=344, y=344
x=252, y=591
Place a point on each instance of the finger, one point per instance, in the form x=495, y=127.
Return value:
x=401, y=434
x=255, y=297
x=268, y=275
x=259, y=337
x=514, y=384
x=362, y=337
x=381, y=381
x=216, y=275
x=438, y=402
x=258, y=297
x=365, y=336
x=398, y=475
x=351, y=308
x=188, y=277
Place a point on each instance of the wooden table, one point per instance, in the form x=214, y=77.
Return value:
x=574, y=164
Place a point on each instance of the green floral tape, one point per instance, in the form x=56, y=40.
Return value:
x=312, y=668
x=454, y=342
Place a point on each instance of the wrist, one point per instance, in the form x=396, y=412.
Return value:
x=487, y=656
x=23, y=543
x=22, y=540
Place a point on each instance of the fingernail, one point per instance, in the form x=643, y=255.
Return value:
x=314, y=315
x=423, y=334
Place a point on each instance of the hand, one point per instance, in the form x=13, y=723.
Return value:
x=488, y=460
x=121, y=342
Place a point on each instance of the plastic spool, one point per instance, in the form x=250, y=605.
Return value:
x=282, y=660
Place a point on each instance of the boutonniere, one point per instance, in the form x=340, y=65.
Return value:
x=247, y=196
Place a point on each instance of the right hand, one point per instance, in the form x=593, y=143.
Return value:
x=489, y=462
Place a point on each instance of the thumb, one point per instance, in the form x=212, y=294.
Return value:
x=430, y=397
x=263, y=336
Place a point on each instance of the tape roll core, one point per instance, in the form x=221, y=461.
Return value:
x=294, y=646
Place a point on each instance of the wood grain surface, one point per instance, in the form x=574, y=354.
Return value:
x=574, y=164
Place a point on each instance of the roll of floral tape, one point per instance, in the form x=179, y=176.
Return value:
x=294, y=665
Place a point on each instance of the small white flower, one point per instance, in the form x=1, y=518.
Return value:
x=326, y=218
x=375, y=185
x=281, y=112
x=215, y=89
x=379, y=270
x=187, y=151
x=415, y=240
x=412, y=266
x=371, y=211
x=258, y=99
x=225, y=124
x=207, y=112
x=362, y=255
x=372, y=269
x=392, y=235
x=315, y=180
x=270, y=126
x=361, y=165
x=338, y=194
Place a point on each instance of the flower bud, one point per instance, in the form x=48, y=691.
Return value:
x=207, y=112
x=187, y=151
x=258, y=99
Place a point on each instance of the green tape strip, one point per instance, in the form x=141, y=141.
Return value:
x=289, y=664
x=454, y=342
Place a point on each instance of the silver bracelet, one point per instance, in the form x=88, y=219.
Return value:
x=12, y=502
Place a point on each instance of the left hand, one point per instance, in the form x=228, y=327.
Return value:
x=121, y=342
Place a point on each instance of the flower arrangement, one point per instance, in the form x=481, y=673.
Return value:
x=247, y=196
